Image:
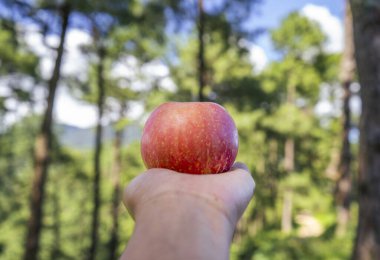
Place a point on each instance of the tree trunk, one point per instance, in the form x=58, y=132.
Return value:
x=366, y=18
x=114, y=241
x=42, y=151
x=289, y=143
x=289, y=155
x=343, y=187
x=97, y=155
x=56, y=250
x=286, y=220
x=201, y=51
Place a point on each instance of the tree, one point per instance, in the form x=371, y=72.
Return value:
x=118, y=30
x=296, y=38
x=117, y=166
x=18, y=75
x=367, y=54
x=225, y=16
x=300, y=41
x=100, y=30
x=220, y=56
x=43, y=143
x=101, y=53
x=201, y=50
x=343, y=187
x=121, y=96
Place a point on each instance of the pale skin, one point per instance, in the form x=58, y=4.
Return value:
x=185, y=216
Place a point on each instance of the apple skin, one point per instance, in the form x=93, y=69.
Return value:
x=190, y=137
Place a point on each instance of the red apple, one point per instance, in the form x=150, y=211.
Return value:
x=190, y=137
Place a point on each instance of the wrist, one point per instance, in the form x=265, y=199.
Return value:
x=177, y=202
x=187, y=218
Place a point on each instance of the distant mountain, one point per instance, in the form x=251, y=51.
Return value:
x=83, y=138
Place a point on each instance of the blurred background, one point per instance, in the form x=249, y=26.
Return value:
x=79, y=78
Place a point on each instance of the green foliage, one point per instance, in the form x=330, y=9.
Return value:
x=14, y=55
x=297, y=35
x=288, y=120
x=68, y=197
x=219, y=59
x=268, y=109
x=328, y=66
x=292, y=75
x=15, y=167
x=16, y=62
x=273, y=245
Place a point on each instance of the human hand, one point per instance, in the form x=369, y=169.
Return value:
x=228, y=192
x=185, y=216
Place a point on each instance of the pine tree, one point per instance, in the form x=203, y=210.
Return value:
x=43, y=144
x=343, y=187
x=367, y=53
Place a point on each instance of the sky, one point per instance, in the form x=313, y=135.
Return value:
x=267, y=15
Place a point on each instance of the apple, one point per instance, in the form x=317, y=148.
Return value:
x=190, y=137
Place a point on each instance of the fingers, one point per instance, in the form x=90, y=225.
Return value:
x=241, y=174
x=135, y=191
x=240, y=165
x=235, y=186
x=129, y=197
x=244, y=186
x=146, y=185
x=241, y=178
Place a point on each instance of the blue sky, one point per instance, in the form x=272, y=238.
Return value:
x=268, y=15
x=270, y=12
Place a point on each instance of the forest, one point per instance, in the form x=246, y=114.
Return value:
x=317, y=169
